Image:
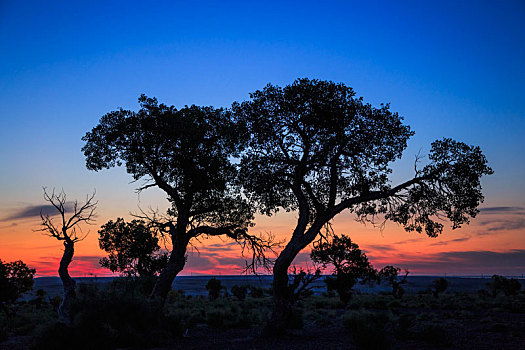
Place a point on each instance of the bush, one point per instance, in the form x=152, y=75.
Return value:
x=256, y=292
x=439, y=286
x=501, y=284
x=214, y=287
x=55, y=302
x=239, y=292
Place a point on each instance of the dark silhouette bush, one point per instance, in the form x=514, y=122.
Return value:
x=502, y=284
x=350, y=264
x=16, y=278
x=256, y=292
x=239, y=292
x=439, y=286
x=133, y=249
x=391, y=274
x=214, y=287
x=55, y=302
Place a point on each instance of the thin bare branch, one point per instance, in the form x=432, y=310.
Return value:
x=67, y=230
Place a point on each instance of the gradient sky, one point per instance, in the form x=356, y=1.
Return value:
x=452, y=69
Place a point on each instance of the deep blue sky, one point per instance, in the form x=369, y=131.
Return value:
x=452, y=68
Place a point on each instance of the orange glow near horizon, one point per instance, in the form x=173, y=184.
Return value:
x=483, y=247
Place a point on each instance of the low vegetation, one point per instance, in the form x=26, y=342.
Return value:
x=120, y=315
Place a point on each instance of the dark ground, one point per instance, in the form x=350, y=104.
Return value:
x=454, y=320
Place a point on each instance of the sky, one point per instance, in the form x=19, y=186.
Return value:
x=452, y=69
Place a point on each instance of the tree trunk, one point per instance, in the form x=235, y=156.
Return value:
x=283, y=310
x=64, y=310
x=175, y=265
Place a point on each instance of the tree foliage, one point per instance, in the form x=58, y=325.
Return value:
x=16, y=278
x=318, y=149
x=350, y=264
x=184, y=152
x=133, y=248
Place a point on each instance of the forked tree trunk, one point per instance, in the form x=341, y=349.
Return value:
x=176, y=263
x=64, y=310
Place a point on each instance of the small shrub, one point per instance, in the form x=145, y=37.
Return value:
x=55, y=302
x=239, y=292
x=214, y=287
x=439, y=286
x=256, y=292
x=501, y=284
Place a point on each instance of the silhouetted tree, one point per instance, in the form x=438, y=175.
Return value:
x=133, y=248
x=391, y=274
x=439, y=286
x=16, y=278
x=214, y=287
x=349, y=262
x=69, y=230
x=186, y=153
x=318, y=150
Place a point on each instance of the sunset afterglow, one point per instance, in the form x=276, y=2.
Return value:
x=450, y=69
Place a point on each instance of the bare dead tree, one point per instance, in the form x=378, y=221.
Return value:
x=68, y=230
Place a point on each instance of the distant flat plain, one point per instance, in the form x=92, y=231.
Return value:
x=196, y=285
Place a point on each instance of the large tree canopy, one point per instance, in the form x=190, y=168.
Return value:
x=184, y=152
x=317, y=149
x=188, y=154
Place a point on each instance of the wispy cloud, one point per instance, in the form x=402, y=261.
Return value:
x=410, y=240
x=501, y=224
x=504, y=218
x=456, y=240
x=33, y=211
x=380, y=248
x=499, y=210
x=475, y=261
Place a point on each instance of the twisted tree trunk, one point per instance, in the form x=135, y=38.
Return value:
x=283, y=308
x=64, y=310
x=176, y=263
